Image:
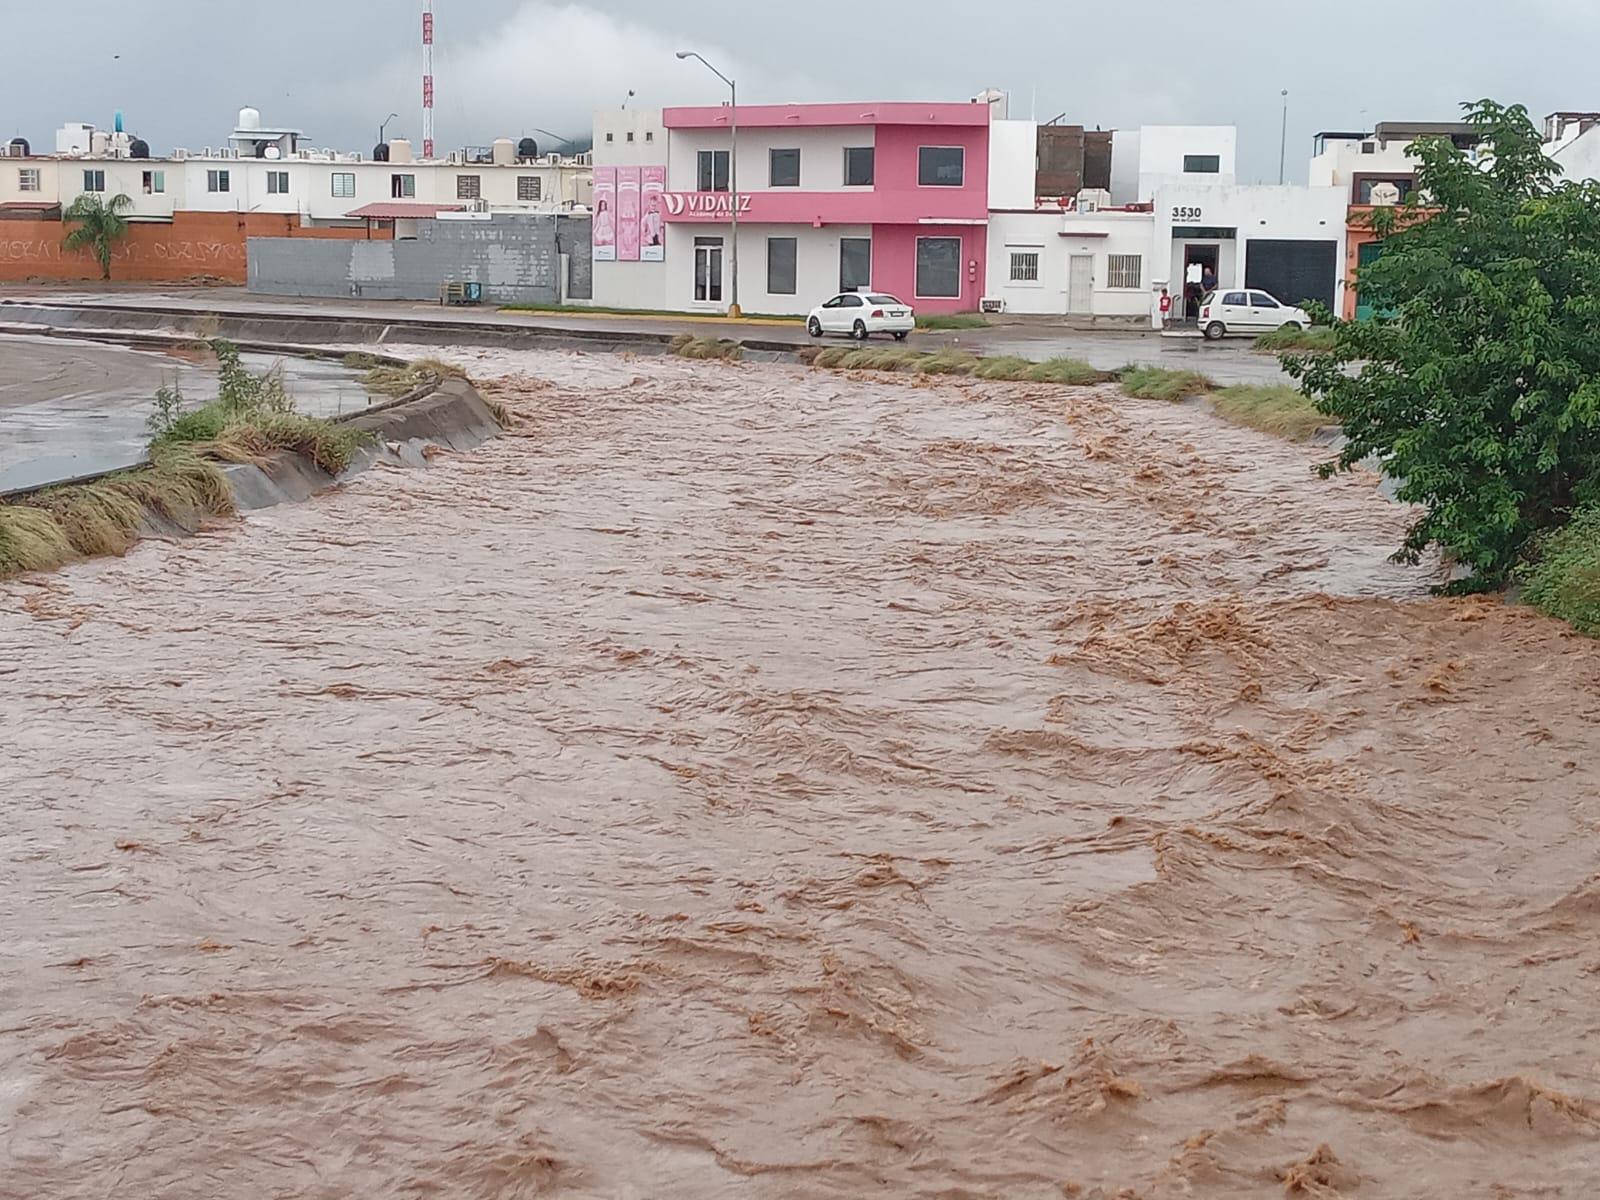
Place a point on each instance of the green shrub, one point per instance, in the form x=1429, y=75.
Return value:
x=1564, y=578
x=952, y=321
x=1163, y=383
x=1319, y=339
x=1481, y=392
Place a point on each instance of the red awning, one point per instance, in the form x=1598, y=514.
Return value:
x=390, y=210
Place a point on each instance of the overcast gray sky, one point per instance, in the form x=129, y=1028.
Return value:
x=337, y=67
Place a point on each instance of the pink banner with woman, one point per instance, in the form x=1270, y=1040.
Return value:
x=652, y=218
x=627, y=214
x=603, y=229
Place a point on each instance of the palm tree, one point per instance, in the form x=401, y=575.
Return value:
x=100, y=224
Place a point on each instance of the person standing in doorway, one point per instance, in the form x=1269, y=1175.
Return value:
x=1208, y=280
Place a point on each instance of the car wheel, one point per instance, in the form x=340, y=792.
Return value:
x=900, y=337
x=1294, y=325
x=1215, y=330
x=861, y=330
x=814, y=327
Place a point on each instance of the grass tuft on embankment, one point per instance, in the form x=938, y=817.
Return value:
x=1163, y=383
x=1272, y=408
x=1003, y=368
x=50, y=528
x=395, y=382
x=252, y=417
x=1564, y=578
x=686, y=345
x=1317, y=340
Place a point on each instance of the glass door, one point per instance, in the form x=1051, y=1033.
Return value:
x=708, y=270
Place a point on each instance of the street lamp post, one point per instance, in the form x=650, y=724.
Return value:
x=1283, y=137
x=384, y=124
x=733, y=175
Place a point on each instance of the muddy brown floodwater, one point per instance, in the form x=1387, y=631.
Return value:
x=746, y=782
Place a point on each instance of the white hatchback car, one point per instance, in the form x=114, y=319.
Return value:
x=1247, y=310
x=862, y=314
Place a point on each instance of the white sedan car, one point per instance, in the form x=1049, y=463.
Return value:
x=862, y=314
x=1247, y=310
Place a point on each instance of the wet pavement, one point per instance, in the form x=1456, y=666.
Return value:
x=72, y=408
x=1229, y=362
x=740, y=781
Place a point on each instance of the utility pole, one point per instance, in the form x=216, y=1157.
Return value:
x=733, y=176
x=1283, y=138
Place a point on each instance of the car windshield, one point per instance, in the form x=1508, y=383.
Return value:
x=882, y=300
x=1208, y=298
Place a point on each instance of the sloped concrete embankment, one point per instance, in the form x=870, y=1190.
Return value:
x=451, y=416
x=108, y=513
x=312, y=329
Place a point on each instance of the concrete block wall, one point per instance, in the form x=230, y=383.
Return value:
x=516, y=259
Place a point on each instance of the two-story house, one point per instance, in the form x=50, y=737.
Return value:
x=829, y=197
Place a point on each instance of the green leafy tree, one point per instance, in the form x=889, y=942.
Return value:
x=1480, y=390
x=98, y=226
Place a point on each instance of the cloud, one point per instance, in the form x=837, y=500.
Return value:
x=547, y=65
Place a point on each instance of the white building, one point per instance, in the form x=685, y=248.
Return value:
x=1175, y=218
x=1572, y=139
x=263, y=169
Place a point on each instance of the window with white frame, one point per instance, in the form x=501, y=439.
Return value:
x=939, y=268
x=94, y=181
x=277, y=183
x=530, y=187
x=1025, y=263
x=218, y=181
x=469, y=187
x=402, y=187
x=941, y=166
x=28, y=179
x=344, y=185
x=859, y=165
x=783, y=256
x=1124, y=271
x=713, y=170
x=154, y=182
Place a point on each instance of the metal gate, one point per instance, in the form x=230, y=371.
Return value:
x=1293, y=271
x=1080, y=285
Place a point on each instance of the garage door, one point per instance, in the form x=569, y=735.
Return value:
x=1294, y=272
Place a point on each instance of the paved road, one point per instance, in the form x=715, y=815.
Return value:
x=1231, y=362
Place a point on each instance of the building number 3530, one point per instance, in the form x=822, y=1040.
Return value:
x=1185, y=214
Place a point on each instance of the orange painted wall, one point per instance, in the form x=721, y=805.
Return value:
x=196, y=245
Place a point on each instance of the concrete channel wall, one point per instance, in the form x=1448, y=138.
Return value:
x=516, y=259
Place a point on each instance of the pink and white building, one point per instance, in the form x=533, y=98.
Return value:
x=831, y=197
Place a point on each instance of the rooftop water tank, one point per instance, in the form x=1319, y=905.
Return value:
x=138, y=148
x=527, y=149
x=249, y=118
x=20, y=147
x=380, y=152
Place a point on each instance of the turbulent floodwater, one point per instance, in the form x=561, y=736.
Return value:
x=745, y=782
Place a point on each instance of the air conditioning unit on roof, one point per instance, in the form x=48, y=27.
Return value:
x=179, y=154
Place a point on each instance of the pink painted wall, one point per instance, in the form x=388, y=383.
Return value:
x=864, y=112
x=894, y=263
x=895, y=173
